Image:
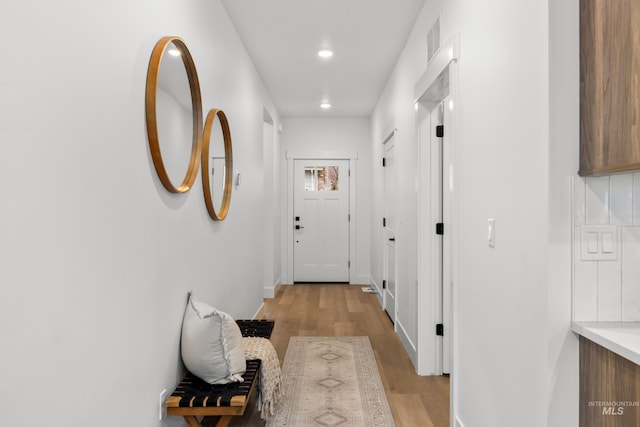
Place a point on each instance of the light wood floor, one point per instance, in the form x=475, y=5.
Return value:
x=342, y=310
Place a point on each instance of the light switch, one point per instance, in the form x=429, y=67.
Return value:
x=592, y=242
x=491, y=233
x=607, y=242
x=599, y=242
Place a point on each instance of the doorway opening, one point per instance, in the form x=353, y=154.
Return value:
x=321, y=217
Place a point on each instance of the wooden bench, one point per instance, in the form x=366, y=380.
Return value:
x=194, y=397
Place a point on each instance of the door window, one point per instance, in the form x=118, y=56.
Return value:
x=321, y=178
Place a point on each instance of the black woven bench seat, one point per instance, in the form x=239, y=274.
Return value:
x=192, y=392
x=256, y=328
x=193, y=396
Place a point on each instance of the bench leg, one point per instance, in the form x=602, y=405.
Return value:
x=224, y=421
x=192, y=421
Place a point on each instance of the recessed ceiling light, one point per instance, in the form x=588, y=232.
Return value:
x=325, y=105
x=325, y=53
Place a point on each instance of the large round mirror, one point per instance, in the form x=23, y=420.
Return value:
x=217, y=164
x=174, y=114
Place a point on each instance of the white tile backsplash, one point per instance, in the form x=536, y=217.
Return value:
x=636, y=199
x=585, y=289
x=631, y=274
x=607, y=290
x=597, y=200
x=579, y=201
x=621, y=187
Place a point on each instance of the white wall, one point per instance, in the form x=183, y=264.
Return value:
x=516, y=151
x=271, y=213
x=395, y=109
x=564, y=134
x=96, y=256
x=318, y=135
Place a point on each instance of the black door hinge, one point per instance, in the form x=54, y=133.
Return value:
x=384, y=284
x=384, y=162
x=440, y=131
x=440, y=329
x=384, y=222
x=440, y=228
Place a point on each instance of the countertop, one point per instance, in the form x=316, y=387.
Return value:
x=622, y=338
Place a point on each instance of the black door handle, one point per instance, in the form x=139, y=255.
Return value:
x=298, y=227
x=392, y=239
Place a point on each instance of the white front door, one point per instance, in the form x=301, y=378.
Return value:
x=321, y=221
x=389, y=233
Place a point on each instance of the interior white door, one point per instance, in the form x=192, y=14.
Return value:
x=321, y=221
x=389, y=233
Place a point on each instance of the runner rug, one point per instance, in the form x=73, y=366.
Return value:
x=331, y=381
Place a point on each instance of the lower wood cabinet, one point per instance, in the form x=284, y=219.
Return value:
x=609, y=388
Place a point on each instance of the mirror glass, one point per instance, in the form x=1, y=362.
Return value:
x=217, y=164
x=174, y=114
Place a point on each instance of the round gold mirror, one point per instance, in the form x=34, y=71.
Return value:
x=217, y=165
x=174, y=114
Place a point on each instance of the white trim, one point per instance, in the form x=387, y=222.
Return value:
x=351, y=156
x=378, y=289
x=270, y=291
x=258, y=311
x=321, y=154
x=409, y=346
x=389, y=134
x=448, y=53
x=361, y=279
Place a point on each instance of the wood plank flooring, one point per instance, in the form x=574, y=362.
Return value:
x=343, y=310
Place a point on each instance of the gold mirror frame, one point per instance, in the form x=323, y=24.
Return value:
x=228, y=162
x=196, y=108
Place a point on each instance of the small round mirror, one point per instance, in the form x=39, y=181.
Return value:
x=217, y=165
x=174, y=114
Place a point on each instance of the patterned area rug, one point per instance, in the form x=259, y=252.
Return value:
x=331, y=381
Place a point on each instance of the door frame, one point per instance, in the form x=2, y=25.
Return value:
x=352, y=157
x=390, y=135
x=439, y=81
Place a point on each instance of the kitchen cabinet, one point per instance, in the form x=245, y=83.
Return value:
x=609, y=388
x=609, y=86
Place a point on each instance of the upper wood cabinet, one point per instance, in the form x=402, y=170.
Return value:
x=609, y=86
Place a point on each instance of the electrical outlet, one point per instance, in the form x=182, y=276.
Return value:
x=162, y=409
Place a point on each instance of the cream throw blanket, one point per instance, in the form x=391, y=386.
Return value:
x=270, y=382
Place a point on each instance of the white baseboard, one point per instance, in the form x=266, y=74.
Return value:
x=256, y=314
x=269, y=292
x=360, y=279
x=409, y=346
x=375, y=286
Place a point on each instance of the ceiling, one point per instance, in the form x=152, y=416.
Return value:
x=283, y=38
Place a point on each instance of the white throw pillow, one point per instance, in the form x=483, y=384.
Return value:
x=211, y=344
